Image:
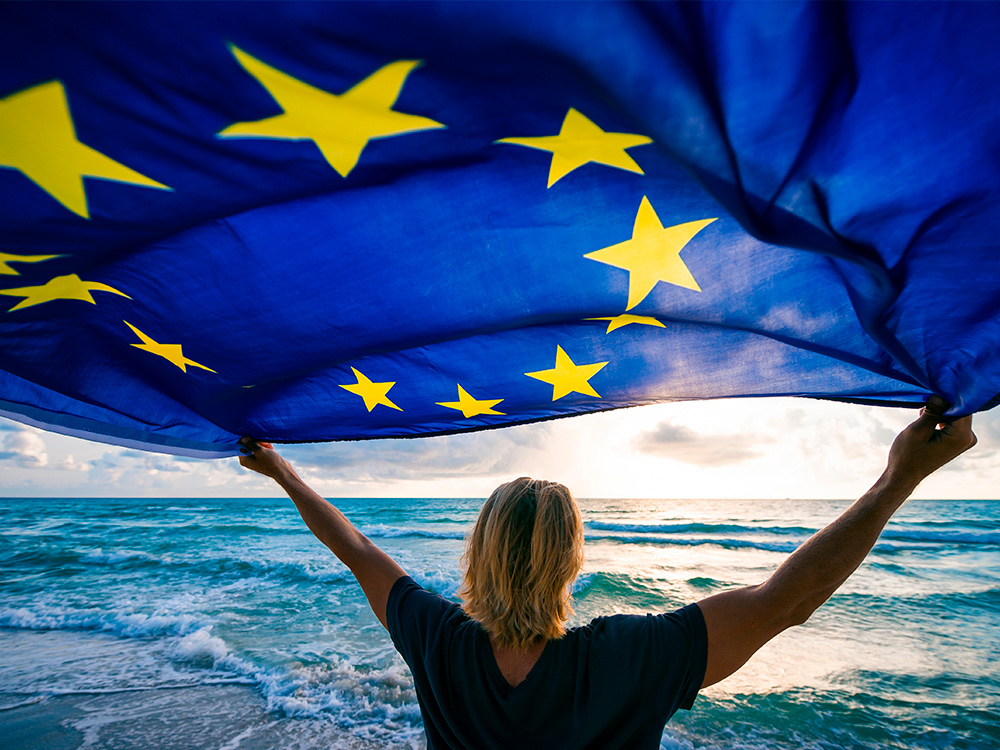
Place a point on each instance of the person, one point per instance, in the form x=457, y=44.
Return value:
x=501, y=670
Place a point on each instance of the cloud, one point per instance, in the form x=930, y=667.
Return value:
x=71, y=464
x=472, y=454
x=363, y=466
x=681, y=443
x=120, y=461
x=132, y=472
x=25, y=449
x=987, y=428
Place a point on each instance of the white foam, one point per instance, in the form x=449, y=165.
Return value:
x=381, y=531
x=440, y=582
x=692, y=542
x=234, y=742
x=128, y=624
x=27, y=702
x=376, y=701
x=110, y=558
x=669, y=742
x=583, y=582
x=379, y=703
x=191, y=509
x=200, y=646
x=988, y=538
x=327, y=571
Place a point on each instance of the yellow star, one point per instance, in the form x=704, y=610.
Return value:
x=341, y=125
x=653, y=254
x=581, y=142
x=373, y=393
x=6, y=259
x=469, y=406
x=170, y=352
x=38, y=137
x=61, y=287
x=567, y=376
x=620, y=321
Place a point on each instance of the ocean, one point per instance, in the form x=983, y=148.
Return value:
x=223, y=624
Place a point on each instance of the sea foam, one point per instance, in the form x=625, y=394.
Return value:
x=126, y=624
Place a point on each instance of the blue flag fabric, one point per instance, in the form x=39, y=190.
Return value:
x=311, y=222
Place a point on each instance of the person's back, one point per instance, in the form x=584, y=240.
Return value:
x=612, y=683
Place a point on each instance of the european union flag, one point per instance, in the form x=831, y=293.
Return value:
x=313, y=221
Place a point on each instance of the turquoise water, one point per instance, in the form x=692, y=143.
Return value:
x=106, y=595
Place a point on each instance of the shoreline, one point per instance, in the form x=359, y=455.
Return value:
x=221, y=717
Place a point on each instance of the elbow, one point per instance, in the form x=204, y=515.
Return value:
x=797, y=616
x=802, y=610
x=789, y=613
x=355, y=551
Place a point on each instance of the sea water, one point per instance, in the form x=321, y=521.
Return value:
x=187, y=604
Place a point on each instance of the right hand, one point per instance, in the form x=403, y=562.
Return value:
x=929, y=443
x=264, y=459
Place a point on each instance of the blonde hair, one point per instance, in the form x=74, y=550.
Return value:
x=520, y=559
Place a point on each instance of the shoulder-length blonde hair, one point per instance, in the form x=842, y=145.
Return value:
x=520, y=559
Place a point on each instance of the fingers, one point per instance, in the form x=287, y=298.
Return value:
x=933, y=411
x=936, y=405
x=954, y=438
x=955, y=430
x=961, y=432
x=932, y=418
x=251, y=446
x=260, y=456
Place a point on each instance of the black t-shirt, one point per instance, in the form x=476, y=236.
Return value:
x=611, y=684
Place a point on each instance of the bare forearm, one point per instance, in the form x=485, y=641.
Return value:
x=324, y=520
x=374, y=569
x=819, y=567
x=740, y=621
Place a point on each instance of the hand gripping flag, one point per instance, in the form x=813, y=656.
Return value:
x=309, y=222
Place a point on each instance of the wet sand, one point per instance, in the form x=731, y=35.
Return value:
x=220, y=717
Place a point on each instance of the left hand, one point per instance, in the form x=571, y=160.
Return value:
x=264, y=459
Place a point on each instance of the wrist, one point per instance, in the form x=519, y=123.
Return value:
x=286, y=476
x=898, y=481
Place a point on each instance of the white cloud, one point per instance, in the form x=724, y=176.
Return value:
x=486, y=453
x=24, y=449
x=776, y=447
x=71, y=464
x=681, y=443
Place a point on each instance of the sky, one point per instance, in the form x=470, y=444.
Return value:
x=736, y=448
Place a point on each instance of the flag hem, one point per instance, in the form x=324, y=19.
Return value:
x=89, y=429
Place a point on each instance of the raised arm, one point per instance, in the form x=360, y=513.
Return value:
x=374, y=569
x=741, y=621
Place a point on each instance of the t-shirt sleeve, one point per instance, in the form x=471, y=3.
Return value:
x=414, y=617
x=696, y=634
x=666, y=654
